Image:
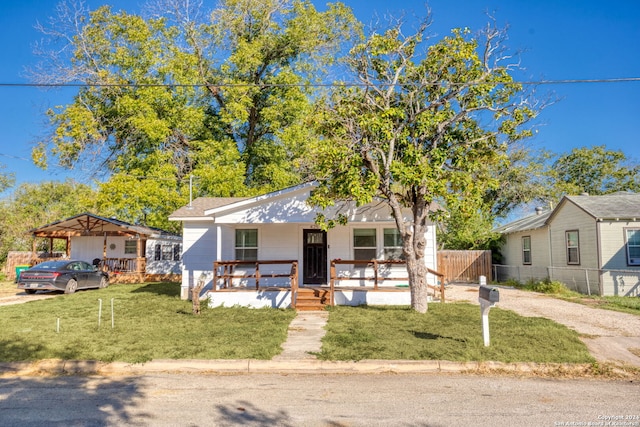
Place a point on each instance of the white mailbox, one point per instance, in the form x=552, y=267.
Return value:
x=487, y=297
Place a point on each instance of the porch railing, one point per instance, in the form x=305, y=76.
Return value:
x=225, y=271
x=376, y=278
x=123, y=265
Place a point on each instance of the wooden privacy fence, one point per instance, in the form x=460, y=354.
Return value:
x=464, y=266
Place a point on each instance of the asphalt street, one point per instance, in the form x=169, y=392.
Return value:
x=316, y=400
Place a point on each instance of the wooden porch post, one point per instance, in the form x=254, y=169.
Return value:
x=68, y=248
x=51, y=247
x=34, y=255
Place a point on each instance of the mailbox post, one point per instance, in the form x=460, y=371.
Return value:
x=488, y=297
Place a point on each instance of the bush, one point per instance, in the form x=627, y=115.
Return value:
x=547, y=286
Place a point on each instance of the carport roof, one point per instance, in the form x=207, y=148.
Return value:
x=87, y=224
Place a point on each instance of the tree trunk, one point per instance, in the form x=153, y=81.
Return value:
x=418, y=283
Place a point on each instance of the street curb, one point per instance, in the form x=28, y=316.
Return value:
x=56, y=367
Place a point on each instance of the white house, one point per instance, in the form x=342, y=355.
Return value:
x=122, y=248
x=591, y=243
x=268, y=249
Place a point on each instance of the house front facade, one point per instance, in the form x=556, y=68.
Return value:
x=227, y=242
x=591, y=243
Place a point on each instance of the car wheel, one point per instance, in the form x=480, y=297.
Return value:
x=30, y=291
x=104, y=282
x=72, y=286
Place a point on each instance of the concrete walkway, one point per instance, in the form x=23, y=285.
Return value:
x=305, y=336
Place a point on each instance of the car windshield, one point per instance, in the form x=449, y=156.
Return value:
x=50, y=265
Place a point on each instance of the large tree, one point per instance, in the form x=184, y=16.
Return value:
x=33, y=205
x=467, y=224
x=218, y=95
x=595, y=170
x=421, y=127
x=7, y=179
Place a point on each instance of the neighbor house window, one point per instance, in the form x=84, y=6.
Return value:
x=573, y=247
x=247, y=245
x=364, y=243
x=526, y=249
x=164, y=252
x=177, y=252
x=392, y=244
x=633, y=247
x=130, y=247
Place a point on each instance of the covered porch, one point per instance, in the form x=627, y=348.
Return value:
x=114, y=246
x=277, y=283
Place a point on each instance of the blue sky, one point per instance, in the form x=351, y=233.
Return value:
x=561, y=39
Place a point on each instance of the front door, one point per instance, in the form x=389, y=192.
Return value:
x=314, y=257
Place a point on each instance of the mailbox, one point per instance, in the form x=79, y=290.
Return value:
x=489, y=294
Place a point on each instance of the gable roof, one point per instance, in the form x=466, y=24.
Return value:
x=531, y=222
x=199, y=206
x=203, y=207
x=87, y=224
x=621, y=205
x=616, y=206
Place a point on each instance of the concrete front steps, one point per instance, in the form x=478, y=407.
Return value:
x=312, y=299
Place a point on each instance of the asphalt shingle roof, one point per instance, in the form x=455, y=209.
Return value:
x=610, y=206
x=531, y=222
x=202, y=204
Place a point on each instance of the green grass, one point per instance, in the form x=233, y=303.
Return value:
x=447, y=332
x=151, y=322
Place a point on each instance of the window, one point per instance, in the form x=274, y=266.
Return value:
x=573, y=247
x=165, y=252
x=247, y=245
x=392, y=244
x=364, y=243
x=526, y=250
x=633, y=246
x=130, y=247
x=177, y=252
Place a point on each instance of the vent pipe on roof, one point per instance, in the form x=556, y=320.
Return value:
x=539, y=210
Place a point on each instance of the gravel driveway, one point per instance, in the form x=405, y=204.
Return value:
x=608, y=334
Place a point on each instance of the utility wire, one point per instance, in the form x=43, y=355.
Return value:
x=346, y=84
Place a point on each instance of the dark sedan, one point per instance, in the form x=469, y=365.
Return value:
x=67, y=276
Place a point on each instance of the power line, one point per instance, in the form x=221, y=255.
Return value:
x=345, y=84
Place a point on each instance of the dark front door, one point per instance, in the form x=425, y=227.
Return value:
x=315, y=257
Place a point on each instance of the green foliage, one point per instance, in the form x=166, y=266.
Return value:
x=34, y=205
x=223, y=98
x=545, y=286
x=595, y=170
x=6, y=179
x=151, y=322
x=447, y=332
x=421, y=129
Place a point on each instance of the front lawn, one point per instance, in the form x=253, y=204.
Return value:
x=447, y=332
x=150, y=322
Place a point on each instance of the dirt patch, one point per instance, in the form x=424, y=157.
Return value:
x=609, y=335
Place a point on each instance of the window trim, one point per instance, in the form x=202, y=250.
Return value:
x=374, y=247
x=577, y=246
x=135, y=248
x=626, y=246
x=385, y=247
x=526, y=251
x=236, y=247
